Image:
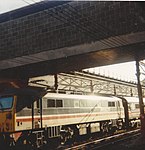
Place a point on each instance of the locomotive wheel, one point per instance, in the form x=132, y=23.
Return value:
x=105, y=127
x=66, y=134
x=120, y=125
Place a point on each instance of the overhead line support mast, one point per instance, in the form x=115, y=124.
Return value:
x=140, y=95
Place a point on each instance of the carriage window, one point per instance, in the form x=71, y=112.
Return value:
x=50, y=103
x=111, y=104
x=59, y=103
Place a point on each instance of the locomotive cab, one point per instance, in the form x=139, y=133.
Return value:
x=12, y=102
x=7, y=113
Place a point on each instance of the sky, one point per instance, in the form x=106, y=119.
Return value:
x=8, y=5
x=123, y=71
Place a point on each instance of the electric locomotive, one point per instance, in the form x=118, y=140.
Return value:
x=64, y=116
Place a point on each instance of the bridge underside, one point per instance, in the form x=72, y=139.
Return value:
x=77, y=62
x=72, y=36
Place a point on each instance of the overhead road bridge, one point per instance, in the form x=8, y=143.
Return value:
x=52, y=37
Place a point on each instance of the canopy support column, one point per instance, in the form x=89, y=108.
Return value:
x=141, y=104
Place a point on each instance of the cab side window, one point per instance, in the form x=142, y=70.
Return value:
x=111, y=104
x=50, y=103
x=54, y=103
x=59, y=103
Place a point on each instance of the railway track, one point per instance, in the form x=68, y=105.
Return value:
x=105, y=141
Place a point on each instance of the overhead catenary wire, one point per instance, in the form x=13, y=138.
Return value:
x=73, y=22
x=86, y=117
x=89, y=29
x=103, y=30
x=26, y=2
x=69, y=13
x=105, y=41
x=102, y=27
x=78, y=24
x=57, y=15
x=142, y=65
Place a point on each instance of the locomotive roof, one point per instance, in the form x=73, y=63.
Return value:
x=81, y=97
x=133, y=99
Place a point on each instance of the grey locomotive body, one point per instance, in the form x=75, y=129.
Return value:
x=66, y=115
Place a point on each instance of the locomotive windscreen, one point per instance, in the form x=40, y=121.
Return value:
x=6, y=103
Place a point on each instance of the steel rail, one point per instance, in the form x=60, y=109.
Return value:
x=105, y=141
